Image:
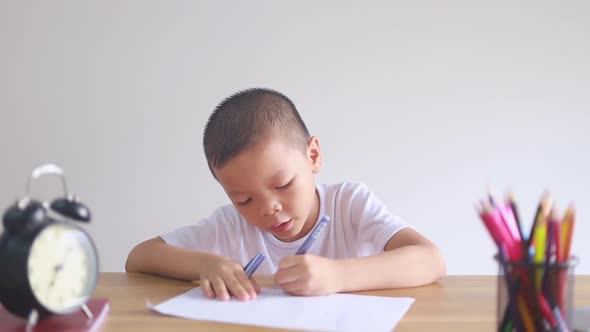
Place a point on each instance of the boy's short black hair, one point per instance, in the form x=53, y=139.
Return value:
x=245, y=117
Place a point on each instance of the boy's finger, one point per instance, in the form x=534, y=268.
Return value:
x=206, y=288
x=236, y=288
x=297, y=287
x=256, y=287
x=247, y=284
x=219, y=288
x=289, y=261
x=285, y=276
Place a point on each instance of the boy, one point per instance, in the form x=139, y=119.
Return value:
x=260, y=151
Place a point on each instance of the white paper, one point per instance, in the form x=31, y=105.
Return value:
x=274, y=308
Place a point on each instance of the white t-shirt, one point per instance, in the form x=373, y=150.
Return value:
x=360, y=225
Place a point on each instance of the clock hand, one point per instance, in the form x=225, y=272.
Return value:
x=56, y=270
x=59, y=267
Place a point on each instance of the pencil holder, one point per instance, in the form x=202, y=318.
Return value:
x=535, y=296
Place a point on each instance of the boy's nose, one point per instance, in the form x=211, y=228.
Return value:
x=269, y=208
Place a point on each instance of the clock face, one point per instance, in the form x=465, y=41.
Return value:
x=62, y=267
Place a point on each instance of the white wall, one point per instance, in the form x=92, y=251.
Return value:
x=427, y=102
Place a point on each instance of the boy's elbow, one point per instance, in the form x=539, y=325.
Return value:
x=439, y=267
x=441, y=272
x=130, y=264
x=128, y=268
x=140, y=257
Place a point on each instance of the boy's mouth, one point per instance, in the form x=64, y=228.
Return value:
x=282, y=227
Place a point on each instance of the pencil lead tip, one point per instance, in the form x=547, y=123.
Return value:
x=547, y=200
x=478, y=207
x=511, y=197
x=554, y=214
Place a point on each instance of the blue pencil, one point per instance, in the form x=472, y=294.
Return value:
x=315, y=232
x=253, y=264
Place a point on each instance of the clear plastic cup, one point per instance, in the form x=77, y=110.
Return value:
x=535, y=296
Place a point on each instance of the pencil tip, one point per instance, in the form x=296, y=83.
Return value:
x=573, y=207
x=478, y=207
x=511, y=197
x=547, y=199
x=491, y=198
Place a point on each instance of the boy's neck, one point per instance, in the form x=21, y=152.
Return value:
x=313, y=216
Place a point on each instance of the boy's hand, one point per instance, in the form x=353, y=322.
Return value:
x=220, y=277
x=308, y=275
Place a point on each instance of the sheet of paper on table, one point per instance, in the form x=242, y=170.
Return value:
x=274, y=308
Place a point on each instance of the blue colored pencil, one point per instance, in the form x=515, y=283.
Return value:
x=315, y=232
x=253, y=264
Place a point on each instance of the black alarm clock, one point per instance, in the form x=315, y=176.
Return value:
x=48, y=264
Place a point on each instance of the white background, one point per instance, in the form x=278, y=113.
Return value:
x=426, y=102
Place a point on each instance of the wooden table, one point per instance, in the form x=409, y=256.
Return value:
x=457, y=303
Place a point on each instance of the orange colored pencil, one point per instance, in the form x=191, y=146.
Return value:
x=525, y=314
x=568, y=228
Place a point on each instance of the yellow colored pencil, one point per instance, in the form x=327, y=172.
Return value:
x=540, y=239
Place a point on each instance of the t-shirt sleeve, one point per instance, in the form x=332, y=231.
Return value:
x=374, y=223
x=207, y=235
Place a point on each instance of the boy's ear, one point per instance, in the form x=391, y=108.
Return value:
x=314, y=155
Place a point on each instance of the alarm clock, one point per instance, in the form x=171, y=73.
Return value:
x=48, y=264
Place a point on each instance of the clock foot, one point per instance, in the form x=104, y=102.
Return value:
x=32, y=320
x=87, y=311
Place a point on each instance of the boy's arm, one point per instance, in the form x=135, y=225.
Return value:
x=409, y=260
x=155, y=256
x=219, y=276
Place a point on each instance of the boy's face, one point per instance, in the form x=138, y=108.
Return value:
x=272, y=185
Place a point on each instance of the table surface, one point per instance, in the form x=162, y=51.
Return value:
x=456, y=303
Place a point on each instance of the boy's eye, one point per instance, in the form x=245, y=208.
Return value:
x=286, y=185
x=242, y=203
